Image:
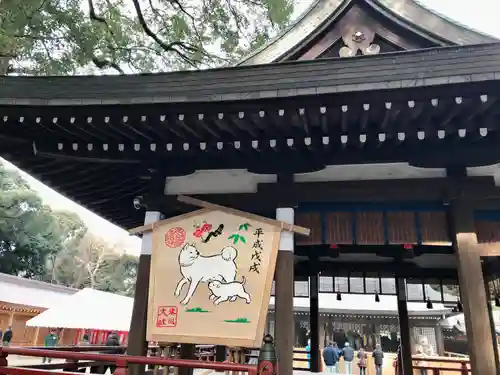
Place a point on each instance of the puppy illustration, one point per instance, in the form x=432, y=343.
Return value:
x=222, y=292
x=196, y=268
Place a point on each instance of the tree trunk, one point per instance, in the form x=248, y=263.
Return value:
x=4, y=65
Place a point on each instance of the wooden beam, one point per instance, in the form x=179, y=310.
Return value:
x=264, y=201
x=491, y=249
x=284, y=226
x=215, y=207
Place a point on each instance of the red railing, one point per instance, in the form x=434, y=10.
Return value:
x=120, y=361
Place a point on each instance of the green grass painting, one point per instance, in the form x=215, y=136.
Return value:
x=197, y=310
x=238, y=320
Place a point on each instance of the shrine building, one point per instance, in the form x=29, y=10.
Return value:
x=22, y=299
x=375, y=123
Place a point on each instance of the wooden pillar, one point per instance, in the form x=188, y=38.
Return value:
x=376, y=333
x=34, y=342
x=61, y=337
x=472, y=291
x=285, y=327
x=137, y=344
x=220, y=353
x=322, y=334
x=11, y=319
x=187, y=351
x=314, y=322
x=404, y=328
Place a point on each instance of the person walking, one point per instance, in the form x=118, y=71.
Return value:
x=49, y=342
x=113, y=340
x=330, y=357
x=378, y=358
x=7, y=337
x=338, y=354
x=85, y=341
x=348, y=354
x=362, y=360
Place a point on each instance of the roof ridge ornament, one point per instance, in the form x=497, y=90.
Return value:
x=358, y=38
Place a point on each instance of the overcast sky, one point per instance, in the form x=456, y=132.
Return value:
x=482, y=15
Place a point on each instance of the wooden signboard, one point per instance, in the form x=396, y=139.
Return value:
x=211, y=276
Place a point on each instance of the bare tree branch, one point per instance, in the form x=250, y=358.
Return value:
x=93, y=15
x=35, y=37
x=167, y=47
x=182, y=9
x=47, y=50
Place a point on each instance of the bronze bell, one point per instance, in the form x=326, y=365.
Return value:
x=268, y=362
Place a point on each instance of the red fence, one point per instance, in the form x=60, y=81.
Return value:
x=120, y=361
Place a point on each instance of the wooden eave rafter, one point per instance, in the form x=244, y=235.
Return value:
x=388, y=314
x=297, y=127
x=103, y=180
x=16, y=309
x=298, y=121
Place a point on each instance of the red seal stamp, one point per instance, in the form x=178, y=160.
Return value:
x=175, y=237
x=166, y=317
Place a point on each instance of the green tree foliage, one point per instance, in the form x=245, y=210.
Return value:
x=119, y=274
x=95, y=264
x=60, y=37
x=30, y=233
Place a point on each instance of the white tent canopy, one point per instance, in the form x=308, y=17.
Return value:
x=93, y=309
x=88, y=309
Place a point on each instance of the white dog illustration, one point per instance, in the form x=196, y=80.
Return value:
x=196, y=268
x=222, y=292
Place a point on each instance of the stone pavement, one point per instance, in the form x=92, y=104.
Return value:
x=18, y=360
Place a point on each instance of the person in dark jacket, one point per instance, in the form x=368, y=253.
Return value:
x=7, y=337
x=113, y=340
x=338, y=354
x=378, y=358
x=85, y=340
x=330, y=356
x=348, y=354
x=50, y=341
